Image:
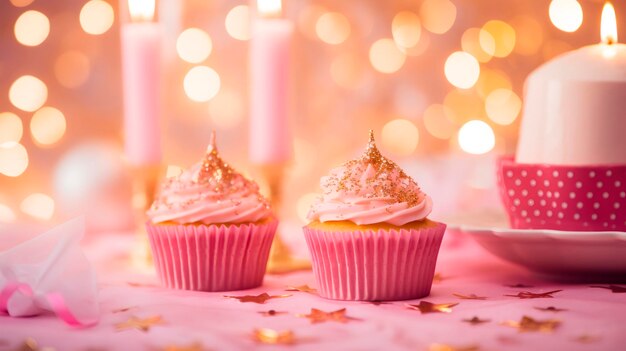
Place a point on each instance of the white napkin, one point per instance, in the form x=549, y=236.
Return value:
x=50, y=273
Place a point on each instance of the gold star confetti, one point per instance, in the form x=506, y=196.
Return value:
x=123, y=309
x=475, y=320
x=550, y=309
x=192, y=347
x=616, y=289
x=31, y=344
x=143, y=325
x=274, y=337
x=319, y=316
x=530, y=295
x=303, y=288
x=445, y=347
x=271, y=313
x=428, y=307
x=528, y=324
x=470, y=296
x=438, y=278
x=262, y=298
x=519, y=285
x=586, y=339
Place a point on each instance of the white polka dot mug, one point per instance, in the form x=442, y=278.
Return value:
x=579, y=198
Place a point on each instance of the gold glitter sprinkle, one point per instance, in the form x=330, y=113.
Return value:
x=214, y=174
x=402, y=189
x=214, y=169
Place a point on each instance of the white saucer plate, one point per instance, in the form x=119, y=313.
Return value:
x=555, y=252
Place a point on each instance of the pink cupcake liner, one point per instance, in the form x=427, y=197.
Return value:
x=369, y=265
x=211, y=257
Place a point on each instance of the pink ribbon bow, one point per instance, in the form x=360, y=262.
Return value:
x=56, y=302
x=50, y=272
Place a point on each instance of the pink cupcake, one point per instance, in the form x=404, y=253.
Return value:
x=369, y=236
x=210, y=229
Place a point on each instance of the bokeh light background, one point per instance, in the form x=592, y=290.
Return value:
x=440, y=81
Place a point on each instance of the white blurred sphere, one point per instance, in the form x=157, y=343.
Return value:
x=91, y=180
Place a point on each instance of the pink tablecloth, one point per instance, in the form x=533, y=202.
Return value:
x=592, y=319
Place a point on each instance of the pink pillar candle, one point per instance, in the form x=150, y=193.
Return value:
x=270, y=134
x=141, y=50
x=575, y=105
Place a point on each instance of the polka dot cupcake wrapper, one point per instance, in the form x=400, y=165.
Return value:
x=583, y=198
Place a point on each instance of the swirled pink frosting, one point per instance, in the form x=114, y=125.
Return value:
x=209, y=192
x=370, y=189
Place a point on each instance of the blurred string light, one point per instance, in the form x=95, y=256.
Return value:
x=32, y=28
x=21, y=3
x=476, y=137
x=201, y=83
x=6, y=214
x=502, y=34
x=303, y=205
x=194, y=45
x=39, y=206
x=332, y=28
x=503, y=106
x=478, y=43
x=464, y=104
x=13, y=159
x=226, y=109
x=462, y=70
x=96, y=17
x=72, y=69
x=406, y=29
x=566, y=15
x=11, y=128
x=437, y=16
x=47, y=126
x=28, y=93
x=529, y=35
x=438, y=121
x=238, y=22
x=421, y=46
x=400, y=136
x=385, y=56
x=490, y=80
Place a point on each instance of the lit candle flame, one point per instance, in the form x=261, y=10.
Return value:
x=269, y=8
x=608, y=27
x=141, y=10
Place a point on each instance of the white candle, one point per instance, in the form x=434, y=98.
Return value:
x=141, y=50
x=270, y=134
x=575, y=105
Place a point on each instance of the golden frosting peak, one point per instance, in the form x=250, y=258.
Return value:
x=388, y=180
x=214, y=169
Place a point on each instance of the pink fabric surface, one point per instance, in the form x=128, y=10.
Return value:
x=219, y=323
